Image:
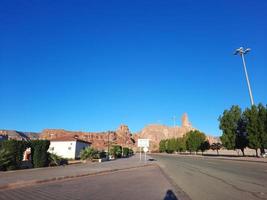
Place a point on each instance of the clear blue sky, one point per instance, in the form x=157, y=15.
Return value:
x=92, y=65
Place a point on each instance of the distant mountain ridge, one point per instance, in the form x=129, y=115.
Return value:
x=122, y=136
x=19, y=135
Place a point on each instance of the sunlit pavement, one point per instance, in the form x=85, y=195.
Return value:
x=139, y=183
x=40, y=174
x=210, y=179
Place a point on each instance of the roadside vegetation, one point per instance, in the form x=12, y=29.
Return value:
x=56, y=160
x=90, y=153
x=193, y=141
x=11, y=153
x=241, y=129
x=116, y=151
x=246, y=128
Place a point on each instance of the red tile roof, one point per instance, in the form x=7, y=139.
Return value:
x=67, y=138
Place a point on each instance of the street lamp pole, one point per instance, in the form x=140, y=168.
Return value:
x=241, y=51
x=108, y=144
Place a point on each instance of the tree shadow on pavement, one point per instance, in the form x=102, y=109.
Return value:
x=170, y=195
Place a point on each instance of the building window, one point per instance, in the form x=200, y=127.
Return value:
x=69, y=148
x=52, y=148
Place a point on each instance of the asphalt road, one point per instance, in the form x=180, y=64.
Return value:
x=210, y=179
x=147, y=183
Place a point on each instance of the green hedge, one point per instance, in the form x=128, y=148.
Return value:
x=12, y=154
x=40, y=156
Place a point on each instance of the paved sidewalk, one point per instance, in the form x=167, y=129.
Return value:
x=19, y=178
x=147, y=183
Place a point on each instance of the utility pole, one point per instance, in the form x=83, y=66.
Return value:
x=108, y=144
x=241, y=51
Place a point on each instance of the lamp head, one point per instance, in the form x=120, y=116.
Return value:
x=241, y=51
x=247, y=50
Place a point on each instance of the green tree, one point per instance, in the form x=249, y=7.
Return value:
x=256, y=123
x=262, y=120
x=194, y=140
x=234, y=129
x=204, y=146
x=171, y=145
x=216, y=146
x=241, y=140
x=162, y=146
x=181, y=144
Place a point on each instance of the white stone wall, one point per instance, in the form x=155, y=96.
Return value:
x=66, y=149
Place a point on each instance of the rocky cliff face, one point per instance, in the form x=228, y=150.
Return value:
x=156, y=132
x=99, y=140
x=213, y=139
x=122, y=136
x=18, y=135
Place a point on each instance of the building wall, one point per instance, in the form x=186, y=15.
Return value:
x=80, y=146
x=65, y=149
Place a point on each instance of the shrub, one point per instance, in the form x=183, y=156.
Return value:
x=125, y=151
x=13, y=149
x=102, y=154
x=40, y=156
x=116, y=151
x=55, y=160
x=89, y=153
x=131, y=152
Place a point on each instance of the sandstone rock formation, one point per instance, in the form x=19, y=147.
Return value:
x=185, y=121
x=156, y=132
x=213, y=139
x=122, y=136
x=99, y=140
x=18, y=135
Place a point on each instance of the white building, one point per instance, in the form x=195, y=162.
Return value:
x=67, y=147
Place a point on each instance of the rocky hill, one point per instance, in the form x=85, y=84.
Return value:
x=99, y=140
x=19, y=135
x=122, y=136
x=156, y=132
